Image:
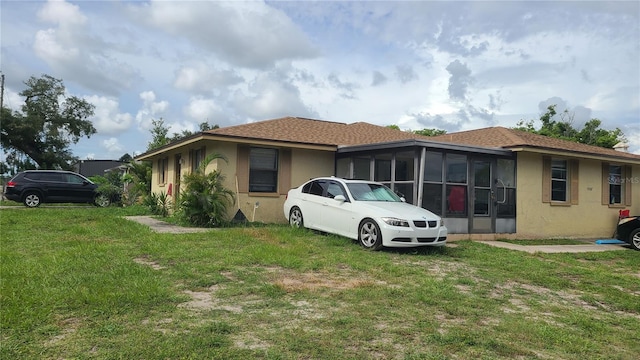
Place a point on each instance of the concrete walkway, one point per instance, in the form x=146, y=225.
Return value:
x=532, y=249
x=165, y=227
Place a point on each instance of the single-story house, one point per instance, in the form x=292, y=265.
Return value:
x=487, y=183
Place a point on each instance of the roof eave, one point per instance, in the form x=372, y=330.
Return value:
x=424, y=143
x=235, y=139
x=574, y=153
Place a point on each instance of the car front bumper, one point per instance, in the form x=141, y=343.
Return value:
x=395, y=236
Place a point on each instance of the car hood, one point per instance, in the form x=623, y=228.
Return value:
x=398, y=209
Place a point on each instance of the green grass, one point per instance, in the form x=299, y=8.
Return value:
x=86, y=283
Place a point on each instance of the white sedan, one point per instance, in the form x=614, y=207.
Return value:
x=362, y=210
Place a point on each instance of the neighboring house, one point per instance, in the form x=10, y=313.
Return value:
x=90, y=168
x=495, y=182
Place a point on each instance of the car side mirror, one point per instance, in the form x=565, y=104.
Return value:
x=340, y=198
x=403, y=199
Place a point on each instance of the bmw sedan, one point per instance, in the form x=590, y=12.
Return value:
x=365, y=211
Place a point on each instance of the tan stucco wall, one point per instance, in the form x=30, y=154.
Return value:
x=588, y=219
x=304, y=165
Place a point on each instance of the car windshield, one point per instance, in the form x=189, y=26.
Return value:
x=372, y=192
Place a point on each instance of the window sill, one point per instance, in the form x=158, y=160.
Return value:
x=258, y=194
x=617, y=206
x=560, y=203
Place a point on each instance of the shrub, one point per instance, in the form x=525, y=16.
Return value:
x=158, y=204
x=204, y=200
x=109, y=185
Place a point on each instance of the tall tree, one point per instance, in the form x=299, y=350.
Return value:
x=561, y=126
x=49, y=122
x=159, y=135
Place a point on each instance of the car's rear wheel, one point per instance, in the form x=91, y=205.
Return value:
x=102, y=200
x=635, y=239
x=369, y=235
x=295, y=217
x=31, y=199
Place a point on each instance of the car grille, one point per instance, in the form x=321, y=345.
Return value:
x=423, y=224
x=431, y=239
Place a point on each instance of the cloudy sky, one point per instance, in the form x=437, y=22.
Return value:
x=419, y=64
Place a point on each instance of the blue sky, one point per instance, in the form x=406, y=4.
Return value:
x=418, y=64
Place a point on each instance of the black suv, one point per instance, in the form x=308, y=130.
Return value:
x=33, y=187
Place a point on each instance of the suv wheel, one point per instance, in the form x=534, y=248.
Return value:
x=102, y=201
x=31, y=199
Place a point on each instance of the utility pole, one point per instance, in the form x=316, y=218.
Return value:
x=1, y=91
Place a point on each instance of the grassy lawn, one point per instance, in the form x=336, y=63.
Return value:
x=85, y=283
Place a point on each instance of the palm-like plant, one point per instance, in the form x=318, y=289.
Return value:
x=204, y=201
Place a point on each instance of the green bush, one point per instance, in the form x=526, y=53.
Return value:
x=158, y=204
x=204, y=200
x=110, y=186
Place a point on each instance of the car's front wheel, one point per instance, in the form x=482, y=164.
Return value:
x=369, y=235
x=102, y=200
x=31, y=199
x=295, y=217
x=635, y=239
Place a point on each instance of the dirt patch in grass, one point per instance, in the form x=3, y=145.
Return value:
x=67, y=327
x=290, y=281
x=144, y=260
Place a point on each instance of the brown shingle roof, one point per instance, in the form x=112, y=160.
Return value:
x=511, y=138
x=317, y=132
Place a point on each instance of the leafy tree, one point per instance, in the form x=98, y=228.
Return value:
x=204, y=201
x=159, y=135
x=125, y=158
x=160, y=132
x=49, y=122
x=423, y=132
x=430, y=132
x=590, y=134
x=204, y=126
x=139, y=176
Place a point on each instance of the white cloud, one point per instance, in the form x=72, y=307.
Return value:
x=107, y=119
x=204, y=110
x=250, y=34
x=46, y=46
x=62, y=13
x=150, y=110
x=113, y=146
x=267, y=96
x=204, y=78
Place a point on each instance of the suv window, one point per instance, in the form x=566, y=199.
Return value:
x=52, y=177
x=74, y=179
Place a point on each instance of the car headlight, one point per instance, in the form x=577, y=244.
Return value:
x=441, y=222
x=395, y=221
